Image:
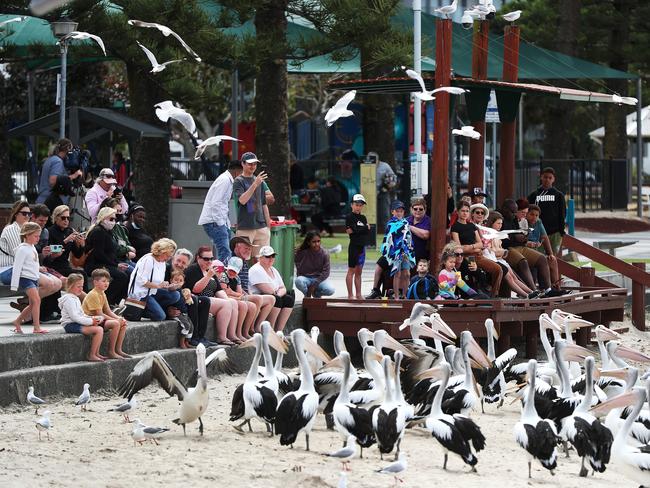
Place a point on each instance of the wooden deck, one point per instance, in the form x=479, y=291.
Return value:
x=512, y=317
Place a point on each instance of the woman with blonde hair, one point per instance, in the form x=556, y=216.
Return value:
x=101, y=251
x=69, y=239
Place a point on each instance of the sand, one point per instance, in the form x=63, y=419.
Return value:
x=94, y=448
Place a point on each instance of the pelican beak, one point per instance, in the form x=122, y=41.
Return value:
x=578, y=323
x=631, y=354
x=576, y=353
x=249, y=343
x=315, y=350
x=404, y=324
x=605, y=334
x=620, y=373
x=435, y=372
x=495, y=333
x=337, y=362
x=277, y=343
x=474, y=364
x=441, y=326
x=478, y=354
x=396, y=346
x=550, y=324
x=620, y=401
x=429, y=332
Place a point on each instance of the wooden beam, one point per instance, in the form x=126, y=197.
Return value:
x=479, y=72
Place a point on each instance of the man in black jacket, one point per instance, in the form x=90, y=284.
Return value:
x=551, y=202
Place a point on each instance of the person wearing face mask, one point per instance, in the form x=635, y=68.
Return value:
x=139, y=239
x=103, y=188
x=101, y=250
x=125, y=251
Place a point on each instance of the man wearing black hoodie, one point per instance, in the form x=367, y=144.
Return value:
x=551, y=202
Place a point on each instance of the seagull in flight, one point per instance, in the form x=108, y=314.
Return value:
x=166, y=31
x=85, y=35
x=467, y=131
x=489, y=233
x=616, y=98
x=166, y=110
x=156, y=66
x=210, y=141
x=13, y=19
x=448, y=10
x=512, y=16
x=452, y=90
x=340, y=108
x=423, y=94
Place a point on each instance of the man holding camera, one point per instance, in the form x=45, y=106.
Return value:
x=102, y=189
x=54, y=166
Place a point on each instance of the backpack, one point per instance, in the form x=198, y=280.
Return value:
x=422, y=288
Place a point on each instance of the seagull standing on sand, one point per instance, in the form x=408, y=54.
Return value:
x=166, y=110
x=212, y=141
x=166, y=31
x=85, y=35
x=512, y=16
x=44, y=425
x=447, y=10
x=84, y=398
x=34, y=400
x=340, y=108
x=396, y=467
x=125, y=409
x=467, y=131
x=157, y=67
x=347, y=453
x=148, y=433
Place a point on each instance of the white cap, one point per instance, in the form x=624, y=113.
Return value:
x=108, y=176
x=358, y=198
x=235, y=264
x=267, y=251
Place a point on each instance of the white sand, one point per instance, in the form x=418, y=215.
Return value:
x=94, y=448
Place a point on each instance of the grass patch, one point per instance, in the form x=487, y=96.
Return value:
x=342, y=258
x=600, y=267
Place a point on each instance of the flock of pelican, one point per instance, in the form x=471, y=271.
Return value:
x=567, y=402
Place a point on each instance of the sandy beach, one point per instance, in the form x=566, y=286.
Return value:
x=94, y=448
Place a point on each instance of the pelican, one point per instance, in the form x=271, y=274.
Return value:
x=297, y=410
x=537, y=436
x=34, y=400
x=346, y=453
x=286, y=382
x=194, y=401
x=369, y=391
x=633, y=461
x=571, y=323
x=618, y=351
x=328, y=382
x=604, y=334
x=591, y=439
x=453, y=432
x=350, y=420
x=314, y=363
x=492, y=381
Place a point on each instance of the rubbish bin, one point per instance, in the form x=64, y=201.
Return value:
x=288, y=251
x=278, y=232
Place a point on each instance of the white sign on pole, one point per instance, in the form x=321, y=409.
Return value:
x=419, y=174
x=58, y=89
x=492, y=112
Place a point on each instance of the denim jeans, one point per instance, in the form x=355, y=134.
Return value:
x=325, y=288
x=156, y=308
x=220, y=235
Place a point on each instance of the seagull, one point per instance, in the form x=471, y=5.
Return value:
x=423, y=94
x=447, y=10
x=335, y=250
x=156, y=66
x=488, y=233
x=166, y=110
x=44, y=424
x=125, y=408
x=13, y=19
x=467, y=131
x=84, y=398
x=85, y=35
x=512, y=16
x=149, y=433
x=396, y=467
x=616, y=98
x=452, y=90
x=166, y=32
x=340, y=108
x=210, y=141
x=347, y=453
x=34, y=400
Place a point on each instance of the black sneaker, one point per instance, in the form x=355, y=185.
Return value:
x=554, y=293
x=374, y=294
x=194, y=342
x=534, y=294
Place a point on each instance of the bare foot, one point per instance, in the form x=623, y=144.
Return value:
x=101, y=357
x=114, y=356
x=17, y=328
x=124, y=355
x=95, y=359
x=359, y=297
x=350, y=297
x=182, y=343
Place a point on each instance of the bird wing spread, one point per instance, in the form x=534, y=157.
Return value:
x=152, y=366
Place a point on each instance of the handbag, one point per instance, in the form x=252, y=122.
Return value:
x=79, y=262
x=134, y=308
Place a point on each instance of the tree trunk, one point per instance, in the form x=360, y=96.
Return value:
x=557, y=123
x=272, y=121
x=151, y=167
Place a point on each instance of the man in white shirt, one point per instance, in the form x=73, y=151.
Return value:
x=101, y=190
x=214, y=216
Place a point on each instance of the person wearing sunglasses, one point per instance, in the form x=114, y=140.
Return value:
x=420, y=225
x=71, y=241
x=101, y=250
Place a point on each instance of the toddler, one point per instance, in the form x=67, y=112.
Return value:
x=449, y=279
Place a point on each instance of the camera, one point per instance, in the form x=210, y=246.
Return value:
x=77, y=160
x=56, y=248
x=467, y=20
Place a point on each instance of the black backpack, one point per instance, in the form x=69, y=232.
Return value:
x=425, y=287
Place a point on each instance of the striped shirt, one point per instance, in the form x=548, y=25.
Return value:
x=9, y=241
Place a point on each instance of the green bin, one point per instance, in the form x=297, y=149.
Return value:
x=278, y=232
x=288, y=252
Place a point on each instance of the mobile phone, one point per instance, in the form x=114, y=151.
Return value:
x=471, y=259
x=56, y=248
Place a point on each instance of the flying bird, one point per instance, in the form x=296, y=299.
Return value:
x=157, y=67
x=166, y=31
x=340, y=109
x=13, y=19
x=448, y=10
x=85, y=35
x=423, y=94
x=34, y=400
x=166, y=110
x=212, y=141
x=84, y=398
x=467, y=131
x=452, y=90
x=616, y=98
x=43, y=425
x=512, y=16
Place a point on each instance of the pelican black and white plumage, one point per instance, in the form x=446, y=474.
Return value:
x=194, y=401
x=34, y=400
x=591, y=439
x=631, y=459
x=350, y=420
x=455, y=433
x=492, y=379
x=536, y=435
x=297, y=410
x=255, y=398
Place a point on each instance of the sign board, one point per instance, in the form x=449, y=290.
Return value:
x=419, y=174
x=492, y=112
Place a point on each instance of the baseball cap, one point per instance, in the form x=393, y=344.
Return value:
x=249, y=157
x=235, y=263
x=358, y=198
x=267, y=251
x=108, y=176
x=478, y=192
x=395, y=204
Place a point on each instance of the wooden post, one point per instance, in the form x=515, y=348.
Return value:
x=638, y=301
x=506, y=168
x=479, y=72
x=438, y=184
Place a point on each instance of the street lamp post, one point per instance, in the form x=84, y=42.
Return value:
x=60, y=29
